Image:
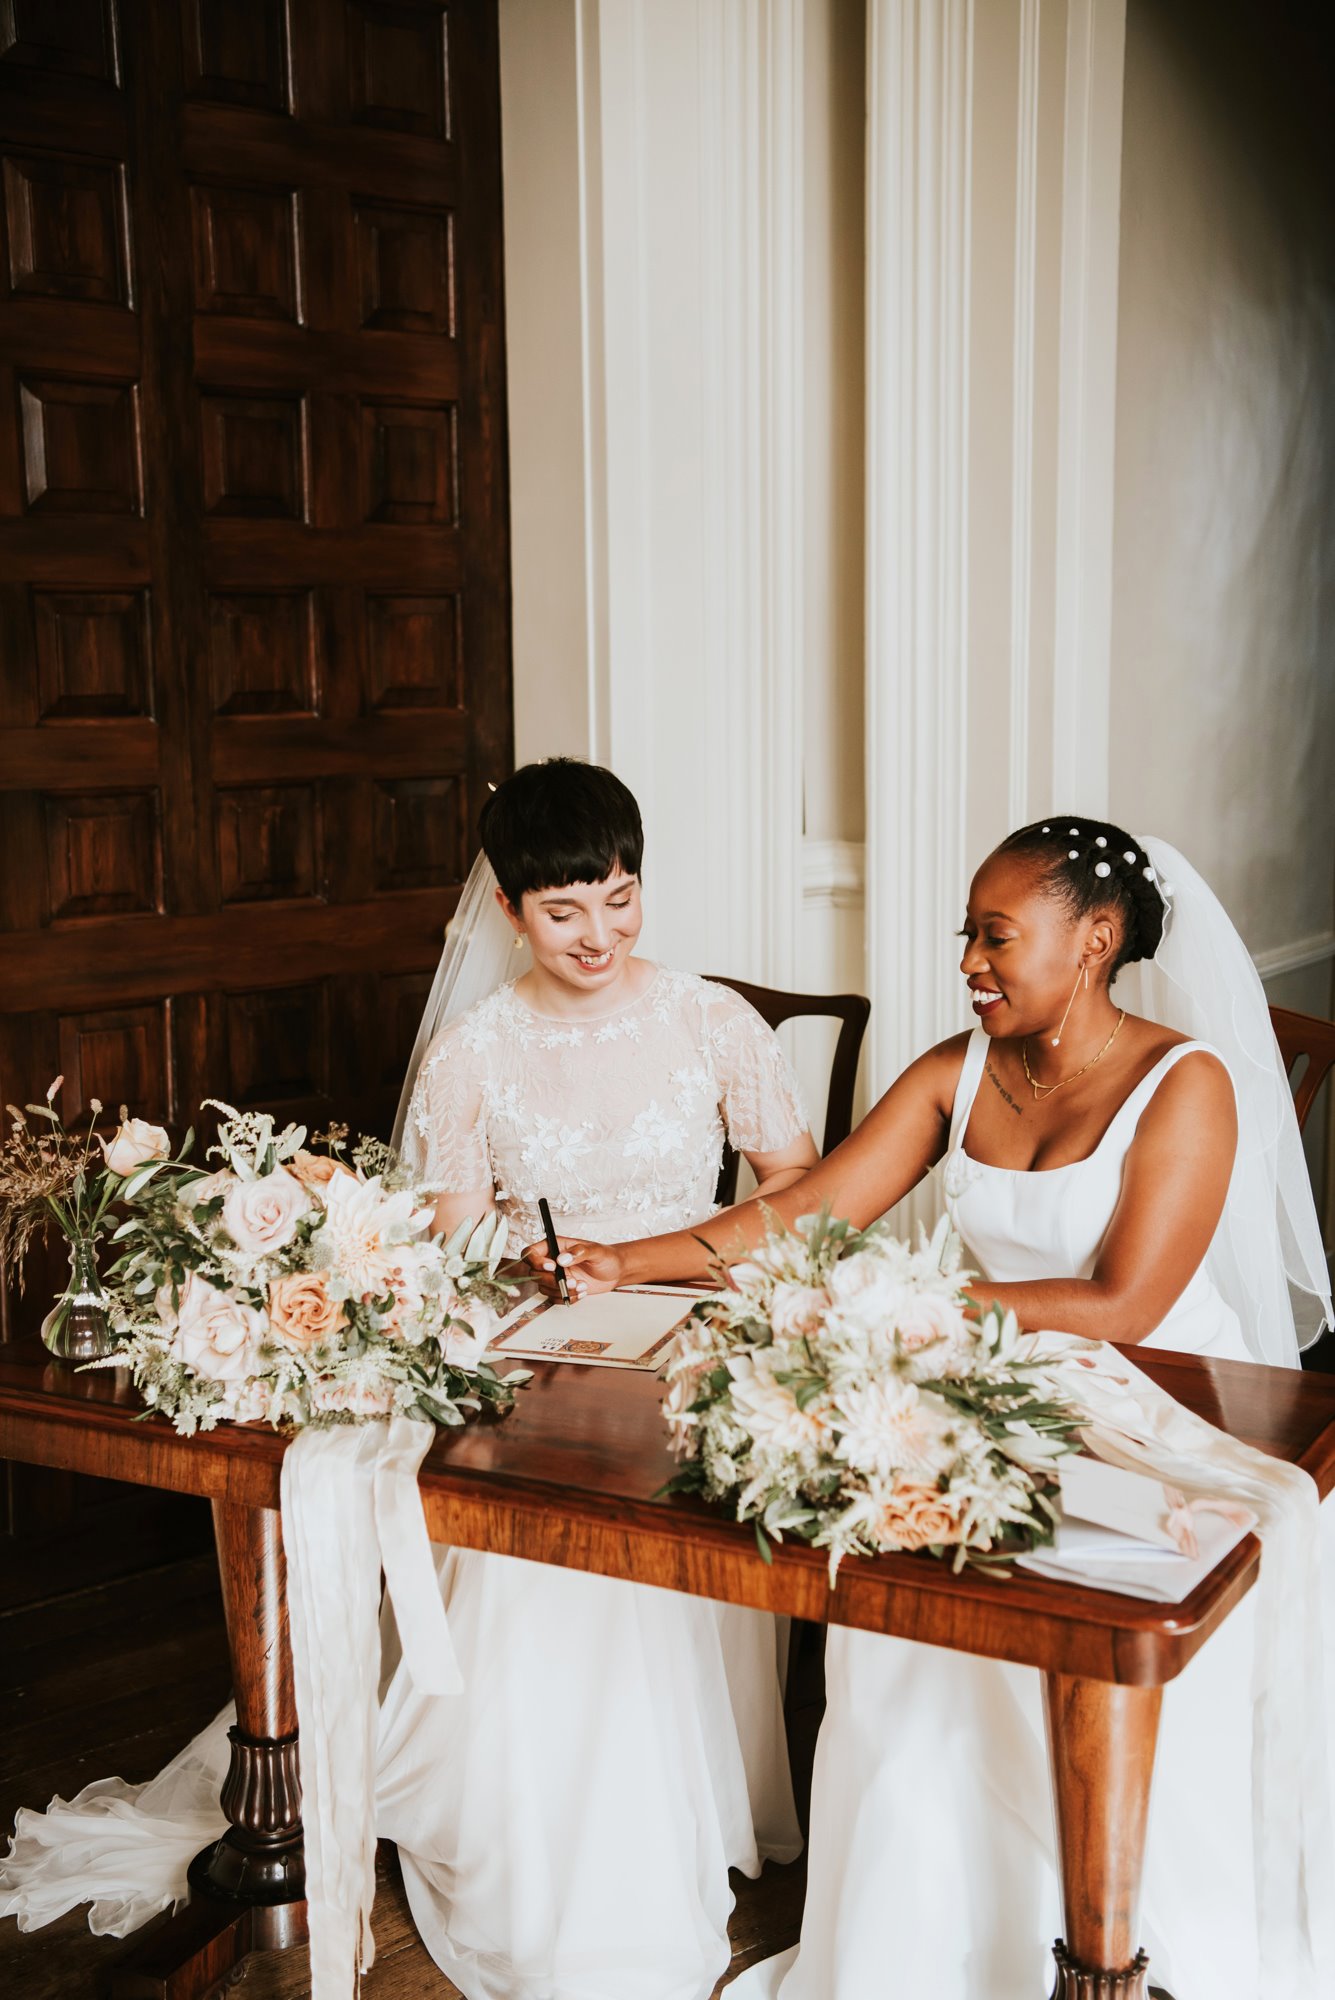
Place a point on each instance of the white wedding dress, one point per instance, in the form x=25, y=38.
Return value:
x=567, y=1822
x=931, y=1846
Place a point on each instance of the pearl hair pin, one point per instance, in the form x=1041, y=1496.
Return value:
x=1102, y=868
x=1074, y=854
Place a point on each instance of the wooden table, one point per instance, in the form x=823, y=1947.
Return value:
x=568, y=1478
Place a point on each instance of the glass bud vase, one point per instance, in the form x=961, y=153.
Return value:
x=77, y=1327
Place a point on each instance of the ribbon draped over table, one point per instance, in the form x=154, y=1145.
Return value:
x=1134, y=1423
x=351, y=1507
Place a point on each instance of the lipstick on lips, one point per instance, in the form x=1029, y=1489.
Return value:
x=985, y=1000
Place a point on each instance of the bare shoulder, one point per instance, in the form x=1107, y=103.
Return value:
x=939, y=1068
x=1197, y=1089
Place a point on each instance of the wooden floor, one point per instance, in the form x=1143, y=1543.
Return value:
x=112, y=1681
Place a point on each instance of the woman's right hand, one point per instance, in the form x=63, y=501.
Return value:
x=589, y=1267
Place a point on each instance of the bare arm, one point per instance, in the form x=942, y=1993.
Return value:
x=895, y=1145
x=776, y=1171
x=1173, y=1190
x=452, y=1209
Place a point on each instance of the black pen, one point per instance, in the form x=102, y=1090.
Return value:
x=554, y=1247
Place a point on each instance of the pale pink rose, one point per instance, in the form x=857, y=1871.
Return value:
x=134, y=1145
x=865, y=1294
x=462, y=1348
x=926, y=1317
x=917, y=1517
x=216, y=1335
x=195, y=1193
x=301, y=1310
x=315, y=1170
x=796, y=1311
x=261, y=1216
x=353, y=1399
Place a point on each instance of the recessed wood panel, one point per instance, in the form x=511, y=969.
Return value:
x=268, y=842
x=400, y=1005
x=261, y=653
x=405, y=260
x=277, y=1044
x=103, y=853
x=76, y=37
x=117, y=1056
x=92, y=653
x=236, y=52
x=66, y=221
x=254, y=460
x=410, y=464
x=414, y=651
x=420, y=833
x=245, y=251
x=398, y=68
x=80, y=447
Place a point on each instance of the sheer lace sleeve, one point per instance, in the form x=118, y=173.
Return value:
x=760, y=1097
x=445, y=1134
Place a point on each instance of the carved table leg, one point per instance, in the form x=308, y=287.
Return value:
x=247, y=1889
x=1101, y=1741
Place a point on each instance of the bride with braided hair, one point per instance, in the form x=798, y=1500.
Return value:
x=1120, y=1155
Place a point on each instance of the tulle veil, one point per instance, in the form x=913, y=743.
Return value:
x=1266, y=1259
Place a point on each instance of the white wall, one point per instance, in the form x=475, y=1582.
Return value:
x=1223, y=727
x=1223, y=724
x=683, y=266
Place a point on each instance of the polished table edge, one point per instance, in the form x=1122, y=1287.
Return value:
x=681, y=1544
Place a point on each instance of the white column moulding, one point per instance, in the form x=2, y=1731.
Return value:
x=692, y=259
x=1091, y=231
x=1022, y=408
x=920, y=84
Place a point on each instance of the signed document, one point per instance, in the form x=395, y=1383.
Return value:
x=626, y=1329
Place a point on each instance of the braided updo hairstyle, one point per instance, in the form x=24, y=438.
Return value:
x=1091, y=865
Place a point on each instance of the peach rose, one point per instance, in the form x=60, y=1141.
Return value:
x=262, y=1215
x=134, y=1145
x=917, y=1517
x=313, y=1170
x=301, y=1310
x=216, y=1335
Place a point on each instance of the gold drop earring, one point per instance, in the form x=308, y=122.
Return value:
x=1083, y=973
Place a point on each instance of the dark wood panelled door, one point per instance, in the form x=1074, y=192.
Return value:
x=253, y=559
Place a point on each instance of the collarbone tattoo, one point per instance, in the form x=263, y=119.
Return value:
x=1000, y=1087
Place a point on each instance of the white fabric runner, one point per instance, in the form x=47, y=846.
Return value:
x=351, y=1507
x=1137, y=1424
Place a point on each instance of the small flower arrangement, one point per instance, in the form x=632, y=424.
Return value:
x=293, y=1287
x=50, y=1177
x=837, y=1387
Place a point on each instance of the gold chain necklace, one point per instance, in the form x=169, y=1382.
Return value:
x=1042, y=1090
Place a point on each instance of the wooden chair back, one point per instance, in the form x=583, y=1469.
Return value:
x=1301, y=1035
x=851, y=1011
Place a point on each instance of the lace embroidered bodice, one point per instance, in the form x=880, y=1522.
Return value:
x=619, y=1120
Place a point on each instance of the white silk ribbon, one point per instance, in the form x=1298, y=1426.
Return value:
x=351, y=1507
x=1134, y=1423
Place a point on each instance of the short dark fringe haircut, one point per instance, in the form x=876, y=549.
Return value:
x=1069, y=849
x=560, y=822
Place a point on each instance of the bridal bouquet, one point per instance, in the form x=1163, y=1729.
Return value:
x=300, y=1287
x=837, y=1388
